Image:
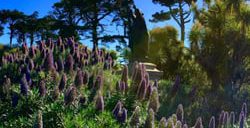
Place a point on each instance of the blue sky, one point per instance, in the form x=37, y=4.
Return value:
x=44, y=6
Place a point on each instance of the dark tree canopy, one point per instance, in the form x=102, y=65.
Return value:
x=10, y=17
x=179, y=10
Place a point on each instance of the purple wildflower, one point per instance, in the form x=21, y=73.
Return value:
x=24, y=85
x=212, y=122
x=79, y=78
x=70, y=95
x=42, y=88
x=99, y=103
x=142, y=90
x=63, y=82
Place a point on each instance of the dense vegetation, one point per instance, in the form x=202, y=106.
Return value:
x=63, y=84
x=60, y=82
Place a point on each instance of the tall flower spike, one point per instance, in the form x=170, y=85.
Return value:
x=244, y=109
x=232, y=118
x=98, y=83
x=198, y=123
x=49, y=61
x=60, y=64
x=99, y=103
x=85, y=77
x=123, y=87
x=163, y=123
x=117, y=108
x=149, y=91
x=69, y=64
x=176, y=85
x=150, y=119
x=63, y=82
x=125, y=74
x=242, y=119
x=24, y=85
x=154, y=100
x=141, y=92
x=70, y=95
x=122, y=115
x=5, y=89
x=146, y=77
x=221, y=118
x=42, y=88
x=79, y=78
x=225, y=119
x=40, y=119
x=180, y=113
x=55, y=93
x=178, y=124
x=135, y=118
x=212, y=122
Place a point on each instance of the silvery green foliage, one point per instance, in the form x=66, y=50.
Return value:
x=149, y=123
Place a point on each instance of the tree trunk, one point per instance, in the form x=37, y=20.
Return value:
x=182, y=21
x=94, y=28
x=11, y=37
x=31, y=39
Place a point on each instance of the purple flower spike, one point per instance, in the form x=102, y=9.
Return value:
x=42, y=88
x=79, y=78
x=232, y=118
x=212, y=122
x=99, y=104
x=244, y=109
x=122, y=116
x=142, y=90
x=117, y=108
x=24, y=86
x=242, y=119
x=198, y=123
x=70, y=95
